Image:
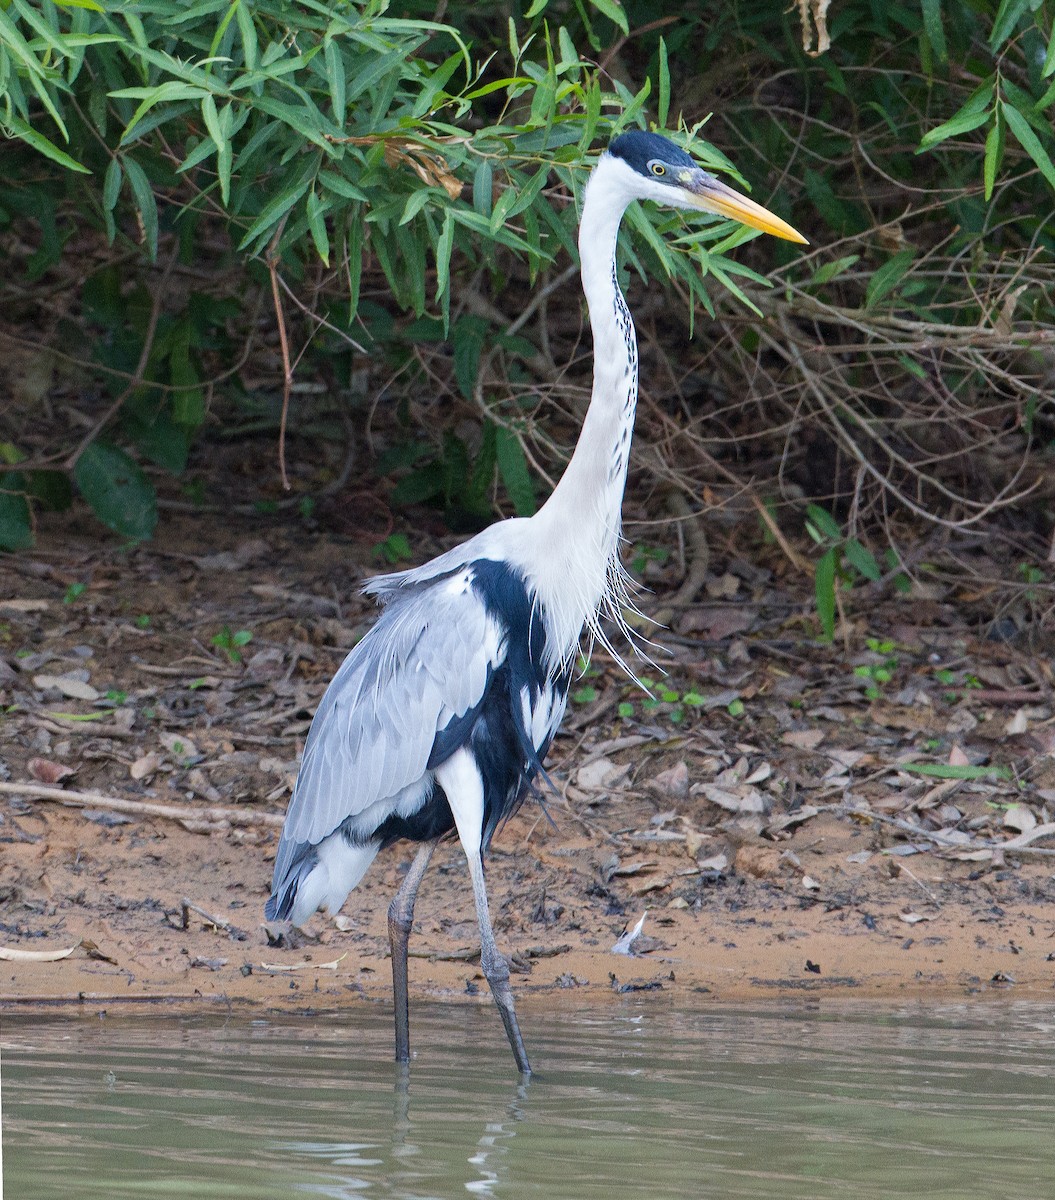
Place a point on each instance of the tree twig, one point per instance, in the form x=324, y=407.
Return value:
x=170, y=812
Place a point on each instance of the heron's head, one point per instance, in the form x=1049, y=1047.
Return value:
x=665, y=173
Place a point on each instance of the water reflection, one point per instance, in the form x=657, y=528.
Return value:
x=632, y=1100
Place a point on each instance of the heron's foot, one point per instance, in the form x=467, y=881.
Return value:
x=497, y=974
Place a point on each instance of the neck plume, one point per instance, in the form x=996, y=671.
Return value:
x=582, y=518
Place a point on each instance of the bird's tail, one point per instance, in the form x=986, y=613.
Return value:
x=310, y=877
x=293, y=863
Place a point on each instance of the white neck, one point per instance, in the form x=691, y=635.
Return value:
x=581, y=520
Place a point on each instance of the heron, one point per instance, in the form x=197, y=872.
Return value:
x=440, y=718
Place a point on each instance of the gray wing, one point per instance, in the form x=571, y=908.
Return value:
x=426, y=661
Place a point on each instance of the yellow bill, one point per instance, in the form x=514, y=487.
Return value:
x=710, y=194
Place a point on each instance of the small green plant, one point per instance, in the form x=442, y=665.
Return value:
x=394, y=549
x=74, y=592
x=881, y=673
x=961, y=679
x=644, y=554
x=668, y=703
x=585, y=695
x=1031, y=576
x=142, y=621
x=231, y=643
x=116, y=697
x=844, y=562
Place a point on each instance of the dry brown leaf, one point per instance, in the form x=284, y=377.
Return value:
x=15, y=954
x=1018, y=724
x=957, y=758
x=74, y=689
x=1019, y=818
x=145, y=766
x=673, y=782
x=760, y=774
x=600, y=774
x=634, y=868
x=804, y=739
x=746, y=800
x=717, y=862
x=47, y=771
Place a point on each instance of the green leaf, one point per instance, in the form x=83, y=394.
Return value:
x=613, y=11
x=112, y=184
x=335, y=77
x=317, y=226
x=963, y=122
x=444, y=247
x=162, y=440
x=16, y=527
x=934, y=30
x=888, y=276
x=467, y=340
x=1007, y=17
x=419, y=485
x=165, y=92
x=1049, y=58
x=826, y=524
x=949, y=771
x=212, y=121
x=824, y=589
x=26, y=133
x=341, y=186
x=148, y=209
x=119, y=493
x=663, y=100
x=861, y=559
x=829, y=271
x=247, y=30
x=1029, y=141
x=994, y=153
x=276, y=209
x=51, y=490
x=513, y=467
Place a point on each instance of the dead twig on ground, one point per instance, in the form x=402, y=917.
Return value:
x=218, y=817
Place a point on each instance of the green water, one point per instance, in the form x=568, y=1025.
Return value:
x=638, y=1099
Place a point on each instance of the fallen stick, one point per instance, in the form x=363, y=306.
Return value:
x=188, y=906
x=142, y=808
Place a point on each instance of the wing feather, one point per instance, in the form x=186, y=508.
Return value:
x=429, y=656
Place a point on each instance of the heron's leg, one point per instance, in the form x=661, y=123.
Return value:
x=495, y=967
x=463, y=785
x=400, y=919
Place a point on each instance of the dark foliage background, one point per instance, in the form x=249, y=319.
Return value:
x=351, y=231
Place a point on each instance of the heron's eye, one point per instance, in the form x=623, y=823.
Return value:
x=657, y=168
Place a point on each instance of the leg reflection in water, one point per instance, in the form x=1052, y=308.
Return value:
x=487, y=1171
